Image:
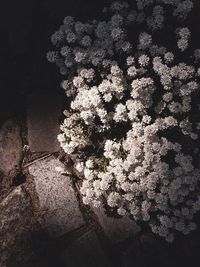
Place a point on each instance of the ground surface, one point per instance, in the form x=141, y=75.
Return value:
x=42, y=219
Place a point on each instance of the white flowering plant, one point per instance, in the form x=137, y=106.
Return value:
x=132, y=122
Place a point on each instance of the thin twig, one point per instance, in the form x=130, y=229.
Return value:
x=36, y=160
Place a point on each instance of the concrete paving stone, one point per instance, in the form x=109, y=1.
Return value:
x=85, y=252
x=116, y=229
x=15, y=220
x=43, y=110
x=10, y=147
x=57, y=197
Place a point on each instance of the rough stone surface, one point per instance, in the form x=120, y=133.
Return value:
x=43, y=121
x=116, y=229
x=85, y=252
x=57, y=197
x=10, y=147
x=15, y=218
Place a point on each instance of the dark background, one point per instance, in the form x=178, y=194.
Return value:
x=25, y=30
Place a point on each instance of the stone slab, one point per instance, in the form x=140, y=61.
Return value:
x=10, y=147
x=116, y=229
x=15, y=220
x=85, y=252
x=43, y=111
x=56, y=197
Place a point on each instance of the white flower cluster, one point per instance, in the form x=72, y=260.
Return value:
x=183, y=38
x=130, y=114
x=139, y=180
x=72, y=135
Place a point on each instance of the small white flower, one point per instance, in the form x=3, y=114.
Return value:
x=79, y=166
